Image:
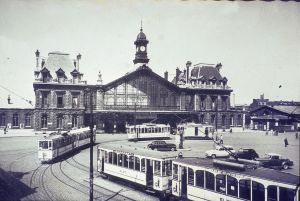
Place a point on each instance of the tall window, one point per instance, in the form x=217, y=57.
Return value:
x=258, y=191
x=27, y=120
x=190, y=176
x=75, y=102
x=212, y=119
x=245, y=189
x=44, y=100
x=202, y=119
x=221, y=183
x=210, y=181
x=200, y=178
x=59, y=121
x=232, y=186
x=286, y=194
x=2, y=119
x=60, y=101
x=74, y=121
x=223, y=120
x=272, y=193
x=15, y=120
x=44, y=121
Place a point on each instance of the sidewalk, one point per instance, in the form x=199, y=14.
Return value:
x=18, y=133
x=120, y=189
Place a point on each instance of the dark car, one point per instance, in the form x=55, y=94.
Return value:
x=275, y=161
x=249, y=154
x=162, y=145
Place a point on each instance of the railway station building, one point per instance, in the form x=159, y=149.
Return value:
x=198, y=93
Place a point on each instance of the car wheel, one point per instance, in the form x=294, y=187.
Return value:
x=285, y=166
x=213, y=156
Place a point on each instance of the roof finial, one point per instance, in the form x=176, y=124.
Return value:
x=141, y=25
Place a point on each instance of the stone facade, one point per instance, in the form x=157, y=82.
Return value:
x=16, y=118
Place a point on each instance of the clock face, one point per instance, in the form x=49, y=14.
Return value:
x=142, y=48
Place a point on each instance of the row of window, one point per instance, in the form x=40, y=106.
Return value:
x=59, y=101
x=59, y=121
x=15, y=120
x=226, y=184
x=161, y=168
x=149, y=130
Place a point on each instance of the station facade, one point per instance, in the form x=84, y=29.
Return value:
x=198, y=93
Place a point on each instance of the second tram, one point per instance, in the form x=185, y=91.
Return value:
x=148, y=131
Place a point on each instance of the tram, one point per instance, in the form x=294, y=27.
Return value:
x=196, y=131
x=207, y=179
x=55, y=144
x=145, y=168
x=148, y=131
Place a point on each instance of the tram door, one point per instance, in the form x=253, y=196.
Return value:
x=149, y=172
x=183, y=181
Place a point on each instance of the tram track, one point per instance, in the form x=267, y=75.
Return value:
x=10, y=166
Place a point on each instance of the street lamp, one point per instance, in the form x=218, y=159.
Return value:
x=89, y=93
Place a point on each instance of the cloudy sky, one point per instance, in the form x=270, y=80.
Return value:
x=257, y=42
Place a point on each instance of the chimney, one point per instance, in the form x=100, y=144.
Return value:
x=166, y=75
x=188, y=65
x=37, y=55
x=184, y=73
x=177, y=75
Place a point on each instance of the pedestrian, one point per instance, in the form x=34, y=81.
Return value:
x=4, y=130
x=221, y=139
x=296, y=135
x=286, y=143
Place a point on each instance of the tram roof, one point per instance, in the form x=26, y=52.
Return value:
x=148, y=125
x=147, y=153
x=55, y=135
x=263, y=173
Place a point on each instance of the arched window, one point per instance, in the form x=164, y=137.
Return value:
x=258, y=191
x=209, y=181
x=44, y=121
x=232, y=186
x=2, y=119
x=15, y=119
x=244, y=185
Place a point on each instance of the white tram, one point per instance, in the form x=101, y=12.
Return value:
x=56, y=144
x=205, y=179
x=146, y=168
x=196, y=131
x=148, y=131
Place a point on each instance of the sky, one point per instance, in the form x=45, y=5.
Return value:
x=256, y=42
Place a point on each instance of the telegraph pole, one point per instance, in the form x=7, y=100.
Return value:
x=90, y=93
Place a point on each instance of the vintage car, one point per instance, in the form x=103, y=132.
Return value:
x=161, y=145
x=275, y=161
x=245, y=153
x=220, y=151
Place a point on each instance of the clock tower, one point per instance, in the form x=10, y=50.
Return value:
x=141, y=48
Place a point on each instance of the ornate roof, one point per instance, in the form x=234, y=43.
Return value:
x=141, y=35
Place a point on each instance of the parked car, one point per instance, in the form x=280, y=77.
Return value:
x=161, y=145
x=245, y=153
x=220, y=151
x=275, y=161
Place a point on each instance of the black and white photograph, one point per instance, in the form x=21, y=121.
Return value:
x=149, y=100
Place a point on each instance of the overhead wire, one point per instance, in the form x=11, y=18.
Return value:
x=21, y=97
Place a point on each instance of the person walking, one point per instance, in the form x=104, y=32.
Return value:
x=296, y=135
x=4, y=130
x=221, y=139
x=286, y=143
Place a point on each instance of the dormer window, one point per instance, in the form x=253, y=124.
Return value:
x=60, y=75
x=46, y=76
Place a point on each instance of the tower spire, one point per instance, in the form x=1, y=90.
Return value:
x=141, y=25
x=141, y=48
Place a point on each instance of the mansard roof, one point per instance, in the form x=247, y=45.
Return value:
x=208, y=72
x=58, y=60
x=142, y=70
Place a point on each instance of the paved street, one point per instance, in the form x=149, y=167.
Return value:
x=23, y=177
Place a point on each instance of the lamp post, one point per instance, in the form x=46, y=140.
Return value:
x=89, y=93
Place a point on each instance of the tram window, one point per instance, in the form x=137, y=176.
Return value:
x=110, y=157
x=115, y=159
x=221, y=183
x=210, y=181
x=120, y=159
x=232, y=186
x=244, y=189
x=125, y=164
x=131, y=162
x=143, y=129
x=168, y=165
x=175, y=172
x=272, y=193
x=137, y=163
x=153, y=130
x=190, y=176
x=286, y=194
x=106, y=157
x=44, y=144
x=157, y=167
x=159, y=129
x=200, y=178
x=258, y=191
x=143, y=165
